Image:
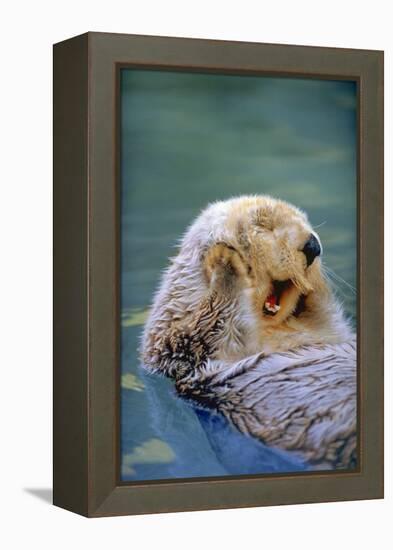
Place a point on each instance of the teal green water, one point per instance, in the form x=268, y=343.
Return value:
x=188, y=139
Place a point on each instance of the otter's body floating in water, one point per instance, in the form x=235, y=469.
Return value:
x=245, y=322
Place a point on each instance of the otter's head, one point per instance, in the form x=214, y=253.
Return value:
x=282, y=251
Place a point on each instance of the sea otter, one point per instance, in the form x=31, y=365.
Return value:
x=245, y=322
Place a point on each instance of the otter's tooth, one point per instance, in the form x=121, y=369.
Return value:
x=272, y=308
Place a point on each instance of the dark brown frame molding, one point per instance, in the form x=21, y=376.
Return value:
x=86, y=282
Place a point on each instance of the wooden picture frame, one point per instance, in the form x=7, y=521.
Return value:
x=86, y=274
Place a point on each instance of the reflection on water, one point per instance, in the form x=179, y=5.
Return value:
x=188, y=139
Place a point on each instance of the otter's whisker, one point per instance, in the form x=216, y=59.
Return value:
x=342, y=280
x=319, y=225
x=334, y=285
x=339, y=279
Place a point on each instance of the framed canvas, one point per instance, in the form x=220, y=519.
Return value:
x=218, y=274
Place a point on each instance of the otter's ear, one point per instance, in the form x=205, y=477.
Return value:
x=263, y=217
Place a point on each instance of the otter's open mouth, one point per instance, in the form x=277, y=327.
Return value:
x=272, y=303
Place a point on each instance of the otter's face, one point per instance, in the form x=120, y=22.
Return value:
x=282, y=252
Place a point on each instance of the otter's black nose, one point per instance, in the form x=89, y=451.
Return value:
x=311, y=249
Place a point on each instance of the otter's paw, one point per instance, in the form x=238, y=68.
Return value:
x=225, y=268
